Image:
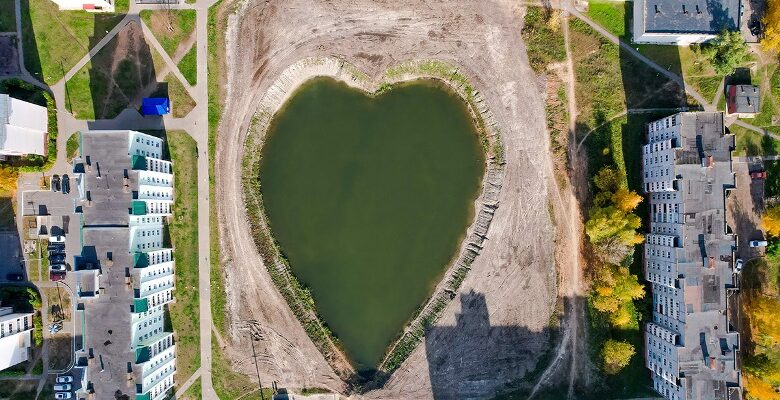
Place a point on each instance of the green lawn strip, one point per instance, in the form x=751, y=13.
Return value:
x=772, y=182
x=230, y=384
x=215, y=43
x=611, y=15
x=752, y=143
x=543, y=39
x=188, y=67
x=80, y=90
x=55, y=40
x=706, y=85
x=170, y=27
x=183, y=227
x=770, y=99
x=8, y=16
x=121, y=6
x=72, y=146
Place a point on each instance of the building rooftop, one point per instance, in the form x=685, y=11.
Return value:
x=743, y=99
x=690, y=16
x=23, y=127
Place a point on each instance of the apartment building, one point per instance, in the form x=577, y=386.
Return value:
x=86, y=5
x=683, y=22
x=690, y=345
x=126, y=270
x=15, y=337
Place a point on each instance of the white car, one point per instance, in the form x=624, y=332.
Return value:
x=57, y=267
x=65, y=387
x=63, y=395
x=738, y=266
x=64, y=379
x=758, y=243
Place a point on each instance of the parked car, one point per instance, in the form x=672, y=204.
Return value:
x=758, y=174
x=56, y=276
x=65, y=387
x=57, y=268
x=65, y=184
x=758, y=243
x=64, y=379
x=15, y=277
x=56, y=258
x=56, y=247
x=55, y=183
x=738, y=265
x=63, y=395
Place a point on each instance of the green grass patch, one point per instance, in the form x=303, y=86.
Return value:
x=611, y=15
x=8, y=16
x=188, y=66
x=609, y=80
x=121, y=6
x=706, y=85
x=543, y=38
x=55, y=40
x=194, y=392
x=772, y=181
x=181, y=102
x=752, y=143
x=170, y=27
x=183, y=227
x=72, y=146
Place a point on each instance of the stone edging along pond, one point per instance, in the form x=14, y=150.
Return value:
x=297, y=296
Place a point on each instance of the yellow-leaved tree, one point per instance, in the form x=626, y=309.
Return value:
x=771, y=221
x=771, y=39
x=616, y=355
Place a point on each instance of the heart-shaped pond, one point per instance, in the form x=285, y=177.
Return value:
x=369, y=199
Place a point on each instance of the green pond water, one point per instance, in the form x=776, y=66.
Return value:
x=370, y=199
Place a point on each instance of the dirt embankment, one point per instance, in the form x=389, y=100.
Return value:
x=495, y=328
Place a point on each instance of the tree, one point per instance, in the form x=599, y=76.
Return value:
x=615, y=289
x=608, y=180
x=610, y=224
x=626, y=200
x=771, y=221
x=726, y=52
x=616, y=355
x=771, y=39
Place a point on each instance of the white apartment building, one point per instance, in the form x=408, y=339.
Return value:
x=86, y=5
x=133, y=162
x=15, y=337
x=690, y=346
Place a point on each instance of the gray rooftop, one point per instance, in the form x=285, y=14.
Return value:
x=690, y=16
x=743, y=99
x=703, y=165
x=106, y=164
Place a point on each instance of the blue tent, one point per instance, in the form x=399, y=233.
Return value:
x=155, y=106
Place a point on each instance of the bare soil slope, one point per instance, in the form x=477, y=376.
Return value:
x=495, y=328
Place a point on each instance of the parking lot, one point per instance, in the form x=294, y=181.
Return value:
x=12, y=260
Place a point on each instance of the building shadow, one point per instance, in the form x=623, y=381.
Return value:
x=457, y=354
x=122, y=73
x=32, y=60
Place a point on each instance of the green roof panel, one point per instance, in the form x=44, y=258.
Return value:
x=139, y=207
x=138, y=162
x=140, y=305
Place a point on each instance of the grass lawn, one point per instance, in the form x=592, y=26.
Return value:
x=772, y=182
x=610, y=80
x=103, y=87
x=194, y=392
x=706, y=85
x=72, y=145
x=751, y=143
x=8, y=16
x=187, y=66
x=611, y=15
x=768, y=79
x=543, y=38
x=184, y=235
x=170, y=27
x=55, y=40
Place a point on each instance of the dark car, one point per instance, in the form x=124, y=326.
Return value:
x=56, y=276
x=65, y=184
x=57, y=258
x=15, y=277
x=55, y=183
x=56, y=248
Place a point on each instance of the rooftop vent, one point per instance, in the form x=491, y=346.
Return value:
x=656, y=8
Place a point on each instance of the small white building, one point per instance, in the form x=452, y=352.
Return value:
x=15, y=337
x=23, y=127
x=86, y=5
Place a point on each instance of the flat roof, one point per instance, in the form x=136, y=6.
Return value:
x=690, y=16
x=23, y=127
x=105, y=177
x=743, y=99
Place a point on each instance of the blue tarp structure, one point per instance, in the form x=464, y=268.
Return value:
x=155, y=106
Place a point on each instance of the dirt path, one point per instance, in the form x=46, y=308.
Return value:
x=513, y=280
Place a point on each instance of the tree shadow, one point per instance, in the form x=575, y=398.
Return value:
x=456, y=354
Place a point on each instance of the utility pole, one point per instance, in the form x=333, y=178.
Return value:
x=257, y=367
